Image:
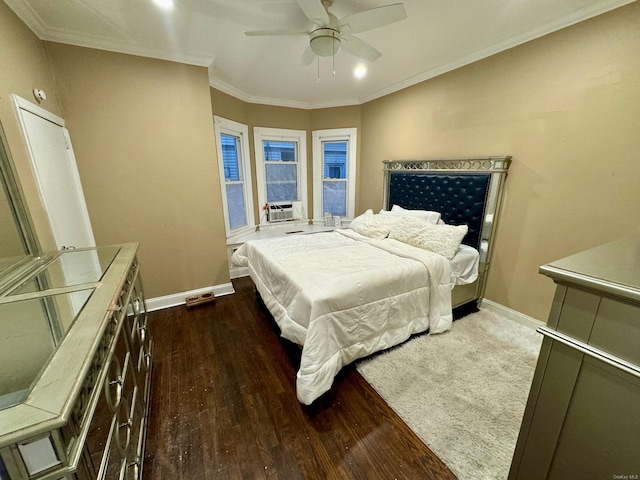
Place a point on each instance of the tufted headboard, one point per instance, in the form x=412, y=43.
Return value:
x=461, y=199
x=465, y=191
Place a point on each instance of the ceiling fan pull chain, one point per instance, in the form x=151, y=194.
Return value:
x=318, y=77
x=334, y=55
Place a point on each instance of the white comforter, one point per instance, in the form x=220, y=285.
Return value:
x=342, y=296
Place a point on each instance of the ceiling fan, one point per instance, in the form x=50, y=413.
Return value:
x=330, y=34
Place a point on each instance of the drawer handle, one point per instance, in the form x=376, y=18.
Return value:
x=113, y=405
x=107, y=393
x=136, y=307
x=143, y=333
x=596, y=353
x=147, y=361
x=123, y=448
x=145, y=358
x=135, y=468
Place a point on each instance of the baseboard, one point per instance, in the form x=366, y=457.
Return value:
x=510, y=314
x=175, y=299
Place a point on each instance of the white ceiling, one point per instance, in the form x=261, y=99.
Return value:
x=438, y=36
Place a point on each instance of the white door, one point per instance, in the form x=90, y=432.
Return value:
x=56, y=172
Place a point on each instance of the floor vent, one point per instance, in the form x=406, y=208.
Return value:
x=195, y=300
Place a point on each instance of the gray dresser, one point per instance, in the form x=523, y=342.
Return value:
x=75, y=372
x=582, y=419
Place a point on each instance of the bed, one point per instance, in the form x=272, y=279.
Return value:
x=346, y=294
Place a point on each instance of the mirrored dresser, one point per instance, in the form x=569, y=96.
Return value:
x=582, y=418
x=75, y=366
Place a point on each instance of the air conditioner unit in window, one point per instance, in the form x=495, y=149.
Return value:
x=279, y=211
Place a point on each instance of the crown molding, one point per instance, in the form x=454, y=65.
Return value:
x=80, y=40
x=554, y=26
x=512, y=42
x=277, y=102
x=30, y=17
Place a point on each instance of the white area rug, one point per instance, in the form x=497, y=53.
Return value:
x=462, y=392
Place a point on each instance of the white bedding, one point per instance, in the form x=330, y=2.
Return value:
x=342, y=296
x=464, y=265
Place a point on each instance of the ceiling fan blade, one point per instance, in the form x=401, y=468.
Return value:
x=360, y=48
x=261, y=33
x=315, y=11
x=374, y=18
x=307, y=57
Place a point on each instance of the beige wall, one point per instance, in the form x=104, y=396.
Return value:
x=256, y=115
x=23, y=67
x=143, y=136
x=567, y=108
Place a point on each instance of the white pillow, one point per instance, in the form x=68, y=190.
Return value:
x=441, y=239
x=429, y=216
x=372, y=225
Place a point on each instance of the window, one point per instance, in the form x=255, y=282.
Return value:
x=281, y=157
x=334, y=166
x=235, y=175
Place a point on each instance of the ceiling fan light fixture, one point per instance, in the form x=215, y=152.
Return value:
x=166, y=5
x=325, y=42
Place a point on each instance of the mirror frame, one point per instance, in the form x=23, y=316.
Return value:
x=11, y=186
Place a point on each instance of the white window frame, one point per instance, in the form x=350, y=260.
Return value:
x=261, y=134
x=229, y=127
x=350, y=135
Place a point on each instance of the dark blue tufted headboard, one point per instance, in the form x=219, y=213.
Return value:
x=464, y=190
x=460, y=198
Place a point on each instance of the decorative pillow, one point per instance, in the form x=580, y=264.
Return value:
x=440, y=239
x=429, y=216
x=372, y=225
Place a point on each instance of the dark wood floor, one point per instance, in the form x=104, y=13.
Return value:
x=223, y=405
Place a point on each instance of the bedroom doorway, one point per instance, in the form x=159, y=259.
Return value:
x=54, y=167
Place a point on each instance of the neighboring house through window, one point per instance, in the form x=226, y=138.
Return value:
x=281, y=157
x=334, y=168
x=235, y=175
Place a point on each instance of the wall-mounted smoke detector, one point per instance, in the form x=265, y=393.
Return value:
x=39, y=94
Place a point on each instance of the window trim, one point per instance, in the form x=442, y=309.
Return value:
x=261, y=134
x=229, y=127
x=331, y=135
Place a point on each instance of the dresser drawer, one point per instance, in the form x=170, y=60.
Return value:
x=616, y=330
